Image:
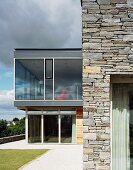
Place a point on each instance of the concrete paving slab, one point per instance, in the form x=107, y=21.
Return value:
x=59, y=157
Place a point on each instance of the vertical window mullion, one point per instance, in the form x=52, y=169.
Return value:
x=26, y=126
x=14, y=79
x=59, y=126
x=42, y=124
x=53, y=78
x=44, y=81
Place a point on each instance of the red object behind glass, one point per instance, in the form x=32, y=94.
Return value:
x=64, y=95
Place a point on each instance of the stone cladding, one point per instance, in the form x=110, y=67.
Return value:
x=107, y=37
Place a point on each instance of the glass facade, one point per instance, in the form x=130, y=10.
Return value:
x=122, y=126
x=34, y=128
x=66, y=128
x=48, y=79
x=52, y=126
x=29, y=80
x=67, y=80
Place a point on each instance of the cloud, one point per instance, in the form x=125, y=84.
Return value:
x=6, y=102
x=7, y=109
x=6, y=95
x=6, y=74
x=38, y=24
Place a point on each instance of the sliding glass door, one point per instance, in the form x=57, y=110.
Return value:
x=122, y=127
x=34, y=128
x=68, y=128
x=59, y=129
x=51, y=128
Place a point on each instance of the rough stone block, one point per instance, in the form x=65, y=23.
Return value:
x=102, y=167
x=107, y=130
x=85, y=143
x=90, y=69
x=103, y=2
x=88, y=46
x=85, y=158
x=130, y=57
x=105, y=119
x=121, y=1
x=85, y=129
x=88, y=122
x=103, y=137
x=128, y=38
x=88, y=150
x=130, y=3
x=97, y=76
x=91, y=17
x=88, y=165
x=104, y=155
x=90, y=136
x=93, y=56
x=90, y=30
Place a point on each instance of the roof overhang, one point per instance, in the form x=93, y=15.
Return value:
x=48, y=53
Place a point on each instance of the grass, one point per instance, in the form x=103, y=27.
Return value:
x=13, y=159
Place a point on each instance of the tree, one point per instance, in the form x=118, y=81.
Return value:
x=15, y=119
x=4, y=131
x=17, y=128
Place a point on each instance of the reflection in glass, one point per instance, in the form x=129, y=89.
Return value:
x=48, y=79
x=68, y=79
x=48, y=89
x=122, y=127
x=29, y=79
x=48, y=69
x=51, y=128
x=131, y=129
x=68, y=129
x=34, y=128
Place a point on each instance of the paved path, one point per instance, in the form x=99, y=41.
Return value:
x=59, y=157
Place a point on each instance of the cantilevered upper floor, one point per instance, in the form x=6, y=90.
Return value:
x=48, y=77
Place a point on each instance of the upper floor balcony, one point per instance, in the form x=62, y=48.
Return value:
x=50, y=75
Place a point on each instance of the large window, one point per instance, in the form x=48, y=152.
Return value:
x=68, y=129
x=68, y=79
x=51, y=128
x=34, y=128
x=54, y=126
x=39, y=79
x=29, y=81
x=122, y=127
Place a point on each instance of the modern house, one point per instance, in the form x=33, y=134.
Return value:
x=108, y=84
x=48, y=86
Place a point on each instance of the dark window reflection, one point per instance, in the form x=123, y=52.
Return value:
x=131, y=129
x=49, y=69
x=51, y=128
x=68, y=79
x=49, y=79
x=49, y=89
x=34, y=128
x=66, y=129
x=29, y=79
x=29, y=82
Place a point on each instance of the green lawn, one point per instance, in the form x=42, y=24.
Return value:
x=13, y=159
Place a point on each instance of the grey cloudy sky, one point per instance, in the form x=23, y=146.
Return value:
x=38, y=24
x=33, y=24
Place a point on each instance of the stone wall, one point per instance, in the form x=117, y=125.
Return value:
x=107, y=51
x=12, y=138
